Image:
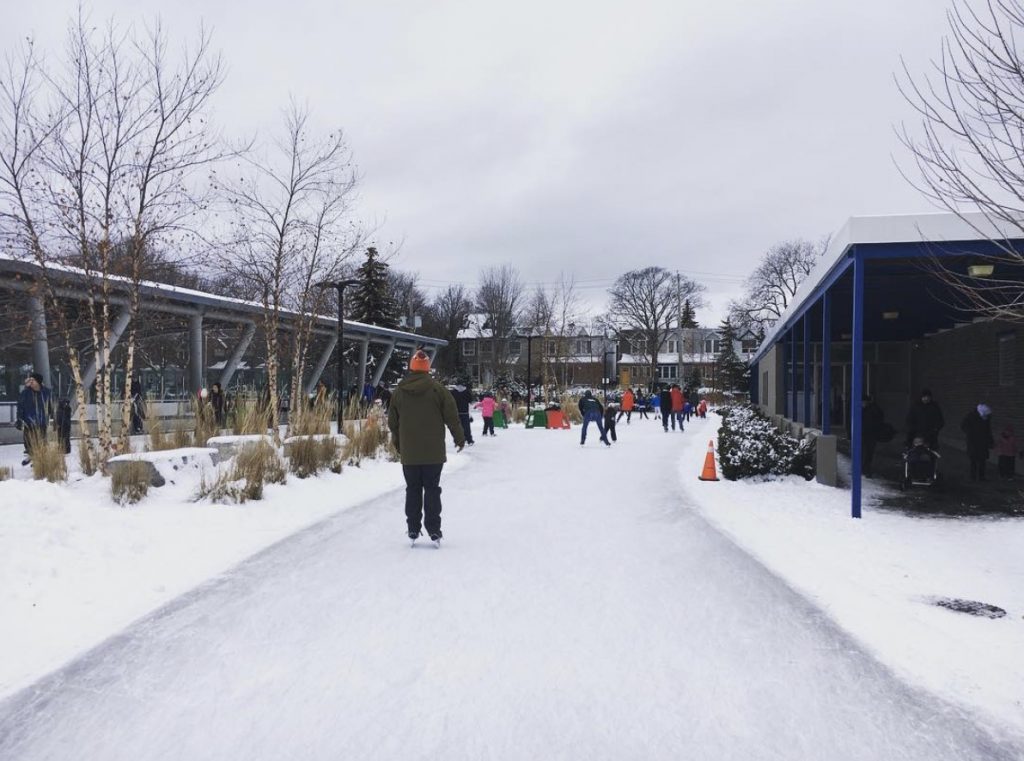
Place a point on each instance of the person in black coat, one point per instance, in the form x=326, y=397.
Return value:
x=665, y=400
x=871, y=426
x=138, y=405
x=592, y=412
x=463, y=398
x=610, y=413
x=219, y=403
x=977, y=426
x=925, y=420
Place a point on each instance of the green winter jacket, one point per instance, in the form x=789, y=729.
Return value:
x=420, y=409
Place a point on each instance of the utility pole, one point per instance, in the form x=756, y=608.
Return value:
x=679, y=335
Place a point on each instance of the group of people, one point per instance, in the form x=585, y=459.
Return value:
x=924, y=423
x=487, y=405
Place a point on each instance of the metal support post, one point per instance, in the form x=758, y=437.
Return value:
x=318, y=370
x=826, y=364
x=40, y=346
x=856, y=408
x=195, y=354
x=236, y=356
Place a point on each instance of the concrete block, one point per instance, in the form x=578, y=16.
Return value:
x=827, y=459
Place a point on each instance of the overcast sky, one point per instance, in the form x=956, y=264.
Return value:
x=586, y=137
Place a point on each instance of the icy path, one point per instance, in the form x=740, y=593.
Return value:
x=578, y=610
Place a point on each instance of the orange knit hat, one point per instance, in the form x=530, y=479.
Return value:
x=420, y=362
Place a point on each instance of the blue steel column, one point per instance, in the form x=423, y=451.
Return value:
x=858, y=383
x=826, y=363
x=807, y=368
x=40, y=347
x=792, y=372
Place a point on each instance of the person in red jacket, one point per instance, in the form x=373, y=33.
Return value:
x=678, y=400
x=628, y=402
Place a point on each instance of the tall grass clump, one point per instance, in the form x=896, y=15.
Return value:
x=88, y=456
x=310, y=455
x=311, y=420
x=248, y=416
x=251, y=469
x=130, y=482
x=204, y=422
x=48, y=462
x=6, y=472
x=365, y=439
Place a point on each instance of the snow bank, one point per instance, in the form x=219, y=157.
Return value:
x=75, y=568
x=877, y=577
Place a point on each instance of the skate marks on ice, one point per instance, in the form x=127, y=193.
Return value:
x=577, y=615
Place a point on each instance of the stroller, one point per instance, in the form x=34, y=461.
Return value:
x=920, y=466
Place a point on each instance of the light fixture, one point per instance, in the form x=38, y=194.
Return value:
x=981, y=270
x=890, y=315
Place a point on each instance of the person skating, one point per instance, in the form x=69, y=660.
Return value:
x=219, y=403
x=871, y=426
x=678, y=400
x=925, y=420
x=665, y=405
x=462, y=400
x=592, y=412
x=138, y=406
x=1007, y=452
x=34, y=411
x=486, y=407
x=977, y=426
x=420, y=410
x=610, y=413
x=628, y=403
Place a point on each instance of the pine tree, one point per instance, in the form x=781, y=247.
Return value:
x=689, y=317
x=372, y=302
x=732, y=371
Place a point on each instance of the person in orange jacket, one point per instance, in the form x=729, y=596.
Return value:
x=628, y=402
x=678, y=400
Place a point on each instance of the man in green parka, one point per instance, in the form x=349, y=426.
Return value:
x=420, y=409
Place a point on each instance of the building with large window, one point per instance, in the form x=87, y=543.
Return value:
x=700, y=348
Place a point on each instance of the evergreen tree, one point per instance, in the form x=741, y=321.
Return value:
x=693, y=383
x=689, y=317
x=732, y=371
x=372, y=301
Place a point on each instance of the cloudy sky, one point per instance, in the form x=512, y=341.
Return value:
x=579, y=137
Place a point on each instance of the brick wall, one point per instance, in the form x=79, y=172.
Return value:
x=961, y=367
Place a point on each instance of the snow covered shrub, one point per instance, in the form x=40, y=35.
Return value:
x=130, y=482
x=48, y=461
x=6, y=473
x=750, y=445
x=250, y=470
x=519, y=415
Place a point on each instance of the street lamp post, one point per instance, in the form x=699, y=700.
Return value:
x=529, y=356
x=339, y=286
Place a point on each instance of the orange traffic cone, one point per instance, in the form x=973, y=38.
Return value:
x=709, y=474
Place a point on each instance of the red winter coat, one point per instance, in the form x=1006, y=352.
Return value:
x=677, y=400
x=628, y=401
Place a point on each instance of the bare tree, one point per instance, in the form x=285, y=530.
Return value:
x=500, y=299
x=642, y=308
x=99, y=157
x=446, y=317
x=970, y=149
x=405, y=290
x=289, y=230
x=771, y=286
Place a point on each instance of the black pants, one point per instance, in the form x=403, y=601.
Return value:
x=467, y=430
x=609, y=429
x=1006, y=466
x=423, y=495
x=642, y=412
x=488, y=426
x=627, y=413
x=665, y=415
x=978, y=459
x=867, y=454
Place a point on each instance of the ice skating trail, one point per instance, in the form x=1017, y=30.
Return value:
x=579, y=609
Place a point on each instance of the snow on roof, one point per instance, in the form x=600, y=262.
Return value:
x=934, y=227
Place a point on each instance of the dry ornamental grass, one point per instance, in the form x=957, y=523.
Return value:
x=48, y=462
x=130, y=482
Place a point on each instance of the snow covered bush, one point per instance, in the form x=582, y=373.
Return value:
x=309, y=455
x=750, y=445
x=250, y=470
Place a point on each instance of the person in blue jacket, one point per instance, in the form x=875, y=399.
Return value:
x=34, y=406
x=592, y=412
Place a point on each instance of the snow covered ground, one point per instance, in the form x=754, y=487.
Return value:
x=581, y=608
x=878, y=577
x=76, y=568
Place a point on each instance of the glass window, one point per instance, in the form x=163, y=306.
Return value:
x=468, y=348
x=514, y=347
x=583, y=346
x=486, y=346
x=549, y=347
